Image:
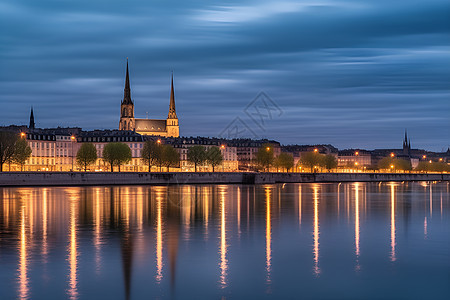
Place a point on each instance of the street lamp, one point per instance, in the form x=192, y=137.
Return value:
x=424, y=156
x=223, y=164
x=392, y=167
x=316, y=150
x=268, y=148
x=158, y=141
x=392, y=154
x=356, y=153
x=72, y=138
x=22, y=134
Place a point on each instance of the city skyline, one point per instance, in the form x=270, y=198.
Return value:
x=344, y=73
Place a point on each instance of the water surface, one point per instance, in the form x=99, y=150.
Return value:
x=311, y=241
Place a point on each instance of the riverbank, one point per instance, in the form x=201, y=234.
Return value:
x=79, y=178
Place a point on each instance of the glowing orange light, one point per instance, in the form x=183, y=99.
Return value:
x=392, y=166
x=158, y=141
x=357, y=248
x=316, y=150
x=268, y=235
x=223, y=146
x=356, y=153
x=356, y=163
x=316, y=230
x=424, y=156
x=72, y=137
x=440, y=159
x=393, y=231
x=268, y=148
x=430, y=161
x=392, y=154
x=22, y=134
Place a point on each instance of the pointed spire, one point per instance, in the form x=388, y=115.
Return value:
x=31, y=126
x=127, y=90
x=172, y=111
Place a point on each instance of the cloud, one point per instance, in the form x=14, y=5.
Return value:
x=344, y=72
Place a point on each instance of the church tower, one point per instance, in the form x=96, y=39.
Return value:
x=127, y=121
x=406, y=145
x=172, y=127
x=31, y=126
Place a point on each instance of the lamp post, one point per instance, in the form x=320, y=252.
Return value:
x=223, y=163
x=72, y=138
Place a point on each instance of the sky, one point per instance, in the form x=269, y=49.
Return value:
x=351, y=73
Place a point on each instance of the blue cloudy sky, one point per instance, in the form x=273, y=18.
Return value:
x=350, y=73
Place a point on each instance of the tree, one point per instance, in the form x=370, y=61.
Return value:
x=311, y=159
x=386, y=163
x=329, y=162
x=196, y=155
x=86, y=155
x=433, y=167
x=7, y=146
x=265, y=157
x=116, y=154
x=285, y=160
x=392, y=163
x=151, y=153
x=214, y=157
x=402, y=164
x=21, y=152
x=170, y=157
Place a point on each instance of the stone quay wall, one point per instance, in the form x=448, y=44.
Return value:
x=133, y=178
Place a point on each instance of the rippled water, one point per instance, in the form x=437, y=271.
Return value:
x=311, y=241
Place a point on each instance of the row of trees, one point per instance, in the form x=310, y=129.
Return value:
x=265, y=159
x=198, y=155
x=393, y=163
x=155, y=154
x=316, y=160
x=13, y=149
x=433, y=167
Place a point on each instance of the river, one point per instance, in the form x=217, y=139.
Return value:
x=281, y=241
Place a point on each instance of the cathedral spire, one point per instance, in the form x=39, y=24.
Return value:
x=127, y=90
x=31, y=126
x=405, y=142
x=172, y=111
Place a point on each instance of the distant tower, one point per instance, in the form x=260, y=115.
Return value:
x=406, y=145
x=172, y=127
x=31, y=126
x=127, y=121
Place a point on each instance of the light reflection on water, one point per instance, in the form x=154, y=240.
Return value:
x=239, y=241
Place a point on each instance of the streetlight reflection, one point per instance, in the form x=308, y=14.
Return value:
x=159, y=239
x=357, y=250
x=73, y=248
x=223, y=241
x=393, y=244
x=316, y=229
x=268, y=193
x=23, y=257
